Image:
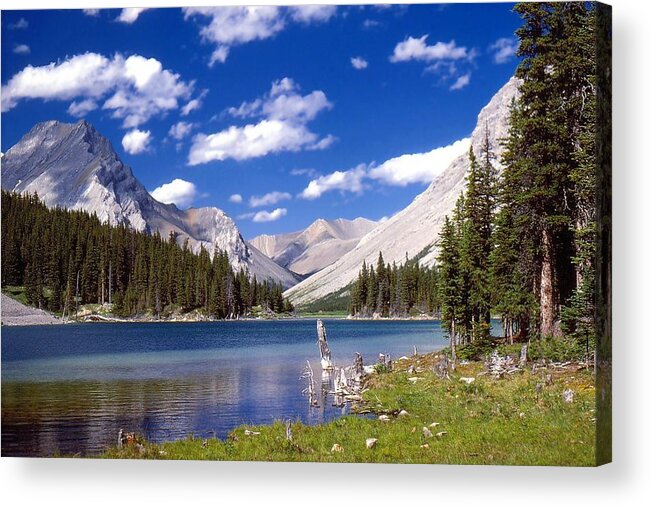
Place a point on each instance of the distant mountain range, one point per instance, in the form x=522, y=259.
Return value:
x=319, y=245
x=414, y=230
x=73, y=166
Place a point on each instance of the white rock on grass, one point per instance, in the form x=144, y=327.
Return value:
x=441, y=434
x=383, y=418
x=467, y=381
x=568, y=395
x=336, y=448
x=371, y=442
x=434, y=424
x=248, y=432
x=403, y=413
x=427, y=432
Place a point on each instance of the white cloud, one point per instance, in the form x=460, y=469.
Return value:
x=358, y=62
x=193, y=104
x=91, y=12
x=250, y=141
x=139, y=87
x=136, y=141
x=130, y=15
x=284, y=114
x=304, y=172
x=21, y=49
x=461, y=82
x=21, y=24
x=418, y=167
x=232, y=26
x=269, y=199
x=180, y=130
x=417, y=49
x=312, y=13
x=345, y=181
x=504, y=49
x=179, y=192
x=81, y=108
x=264, y=216
x=370, y=23
x=236, y=198
x=399, y=171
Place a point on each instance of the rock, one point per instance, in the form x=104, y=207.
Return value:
x=371, y=442
x=403, y=413
x=383, y=418
x=467, y=381
x=441, y=434
x=248, y=432
x=337, y=448
x=413, y=379
x=568, y=395
x=427, y=432
x=72, y=165
x=417, y=226
x=521, y=415
x=434, y=424
x=425, y=446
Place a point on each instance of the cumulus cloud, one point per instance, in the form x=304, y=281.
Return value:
x=417, y=49
x=21, y=24
x=345, y=181
x=179, y=192
x=136, y=141
x=236, y=198
x=284, y=114
x=21, y=49
x=232, y=26
x=461, y=82
x=264, y=216
x=312, y=13
x=358, y=62
x=399, y=171
x=91, y=12
x=180, y=130
x=503, y=49
x=130, y=15
x=136, y=88
x=269, y=199
x=81, y=108
x=418, y=167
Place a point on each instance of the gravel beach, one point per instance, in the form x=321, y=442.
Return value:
x=15, y=313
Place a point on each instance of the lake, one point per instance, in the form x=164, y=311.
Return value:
x=68, y=389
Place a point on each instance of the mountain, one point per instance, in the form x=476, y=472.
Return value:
x=73, y=166
x=415, y=229
x=310, y=250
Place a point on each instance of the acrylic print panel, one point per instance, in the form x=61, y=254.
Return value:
x=308, y=233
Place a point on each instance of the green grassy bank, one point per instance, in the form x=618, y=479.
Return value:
x=518, y=420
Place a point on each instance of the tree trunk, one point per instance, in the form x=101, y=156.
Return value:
x=547, y=303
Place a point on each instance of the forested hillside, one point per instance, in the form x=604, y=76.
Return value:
x=65, y=258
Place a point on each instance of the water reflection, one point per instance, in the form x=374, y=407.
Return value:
x=76, y=401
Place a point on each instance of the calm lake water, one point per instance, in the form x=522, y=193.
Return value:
x=68, y=389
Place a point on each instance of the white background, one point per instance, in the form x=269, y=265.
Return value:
x=625, y=482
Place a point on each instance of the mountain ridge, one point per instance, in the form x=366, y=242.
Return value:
x=415, y=229
x=73, y=166
x=317, y=246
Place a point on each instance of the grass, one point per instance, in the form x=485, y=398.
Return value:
x=17, y=293
x=491, y=421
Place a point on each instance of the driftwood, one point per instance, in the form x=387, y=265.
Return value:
x=442, y=368
x=310, y=390
x=324, y=349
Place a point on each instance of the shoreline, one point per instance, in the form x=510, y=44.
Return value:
x=469, y=418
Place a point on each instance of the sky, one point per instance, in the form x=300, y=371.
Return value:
x=277, y=115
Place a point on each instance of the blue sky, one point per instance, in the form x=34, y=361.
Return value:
x=305, y=113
